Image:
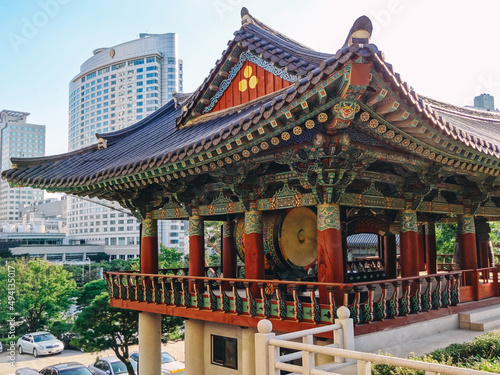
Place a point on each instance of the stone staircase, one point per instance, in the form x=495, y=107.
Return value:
x=483, y=319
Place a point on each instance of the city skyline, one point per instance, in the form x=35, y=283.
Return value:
x=46, y=41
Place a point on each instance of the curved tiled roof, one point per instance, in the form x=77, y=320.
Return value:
x=273, y=46
x=158, y=140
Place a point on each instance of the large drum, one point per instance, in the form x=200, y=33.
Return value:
x=289, y=240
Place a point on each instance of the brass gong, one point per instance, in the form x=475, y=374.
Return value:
x=298, y=237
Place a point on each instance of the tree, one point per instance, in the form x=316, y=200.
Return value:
x=90, y=291
x=213, y=243
x=43, y=291
x=445, y=238
x=101, y=327
x=170, y=257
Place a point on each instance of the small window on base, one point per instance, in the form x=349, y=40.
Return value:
x=224, y=351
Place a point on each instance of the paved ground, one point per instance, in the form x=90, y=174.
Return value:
x=176, y=349
x=400, y=348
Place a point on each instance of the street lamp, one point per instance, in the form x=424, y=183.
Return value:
x=83, y=270
x=89, y=267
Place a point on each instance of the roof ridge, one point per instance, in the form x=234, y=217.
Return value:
x=459, y=110
x=128, y=130
x=247, y=18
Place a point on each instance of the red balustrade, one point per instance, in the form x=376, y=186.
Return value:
x=298, y=301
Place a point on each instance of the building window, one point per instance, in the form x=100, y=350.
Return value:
x=224, y=351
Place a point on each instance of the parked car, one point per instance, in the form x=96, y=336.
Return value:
x=110, y=366
x=67, y=368
x=169, y=365
x=26, y=371
x=1, y=347
x=39, y=343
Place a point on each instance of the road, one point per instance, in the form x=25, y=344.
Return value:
x=176, y=349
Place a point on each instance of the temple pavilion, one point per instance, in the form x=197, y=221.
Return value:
x=294, y=151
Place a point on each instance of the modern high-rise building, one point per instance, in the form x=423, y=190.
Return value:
x=485, y=102
x=117, y=87
x=120, y=85
x=18, y=139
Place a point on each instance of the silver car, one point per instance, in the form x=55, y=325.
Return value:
x=39, y=343
x=110, y=366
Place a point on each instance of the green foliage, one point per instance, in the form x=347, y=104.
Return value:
x=90, y=291
x=102, y=327
x=213, y=260
x=495, y=235
x=59, y=327
x=170, y=257
x=42, y=292
x=445, y=238
x=170, y=328
x=482, y=353
x=113, y=265
x=213, y=243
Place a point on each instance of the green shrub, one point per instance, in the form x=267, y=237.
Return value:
x=483, y=353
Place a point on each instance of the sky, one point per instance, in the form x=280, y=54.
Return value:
x=445, y=49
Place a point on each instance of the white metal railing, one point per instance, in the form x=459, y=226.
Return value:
x=267, y=346
x=268, y=360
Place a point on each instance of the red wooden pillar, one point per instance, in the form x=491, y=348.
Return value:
x=483, y=237
x=431, y=248
x=409, y=244
x=149, y=245
x=467, y=244
x=390, y=256
x=254, y=247
x=228, y=251
x=421, y=248
x=196, y=246
x=330, y=250
x=149, y=323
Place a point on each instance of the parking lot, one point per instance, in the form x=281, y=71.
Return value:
x=176, y=349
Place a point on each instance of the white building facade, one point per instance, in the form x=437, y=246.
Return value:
x=18, y=139
x=117, y=87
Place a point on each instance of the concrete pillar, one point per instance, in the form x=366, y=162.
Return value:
x=248, y=352
x=262, y=338
x=149, y=343
x=431, y=248
x=195, y=351
x=408, y=246
x=149, y=323
x=331, y=260
x=254, y=247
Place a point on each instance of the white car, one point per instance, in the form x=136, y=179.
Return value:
x=169, y=365
x=39, y=343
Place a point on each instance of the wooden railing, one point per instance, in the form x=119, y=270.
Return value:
x=298, y=301
x=479, y=284
x=445, y=262
x=210, y=271
x=368, y=269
